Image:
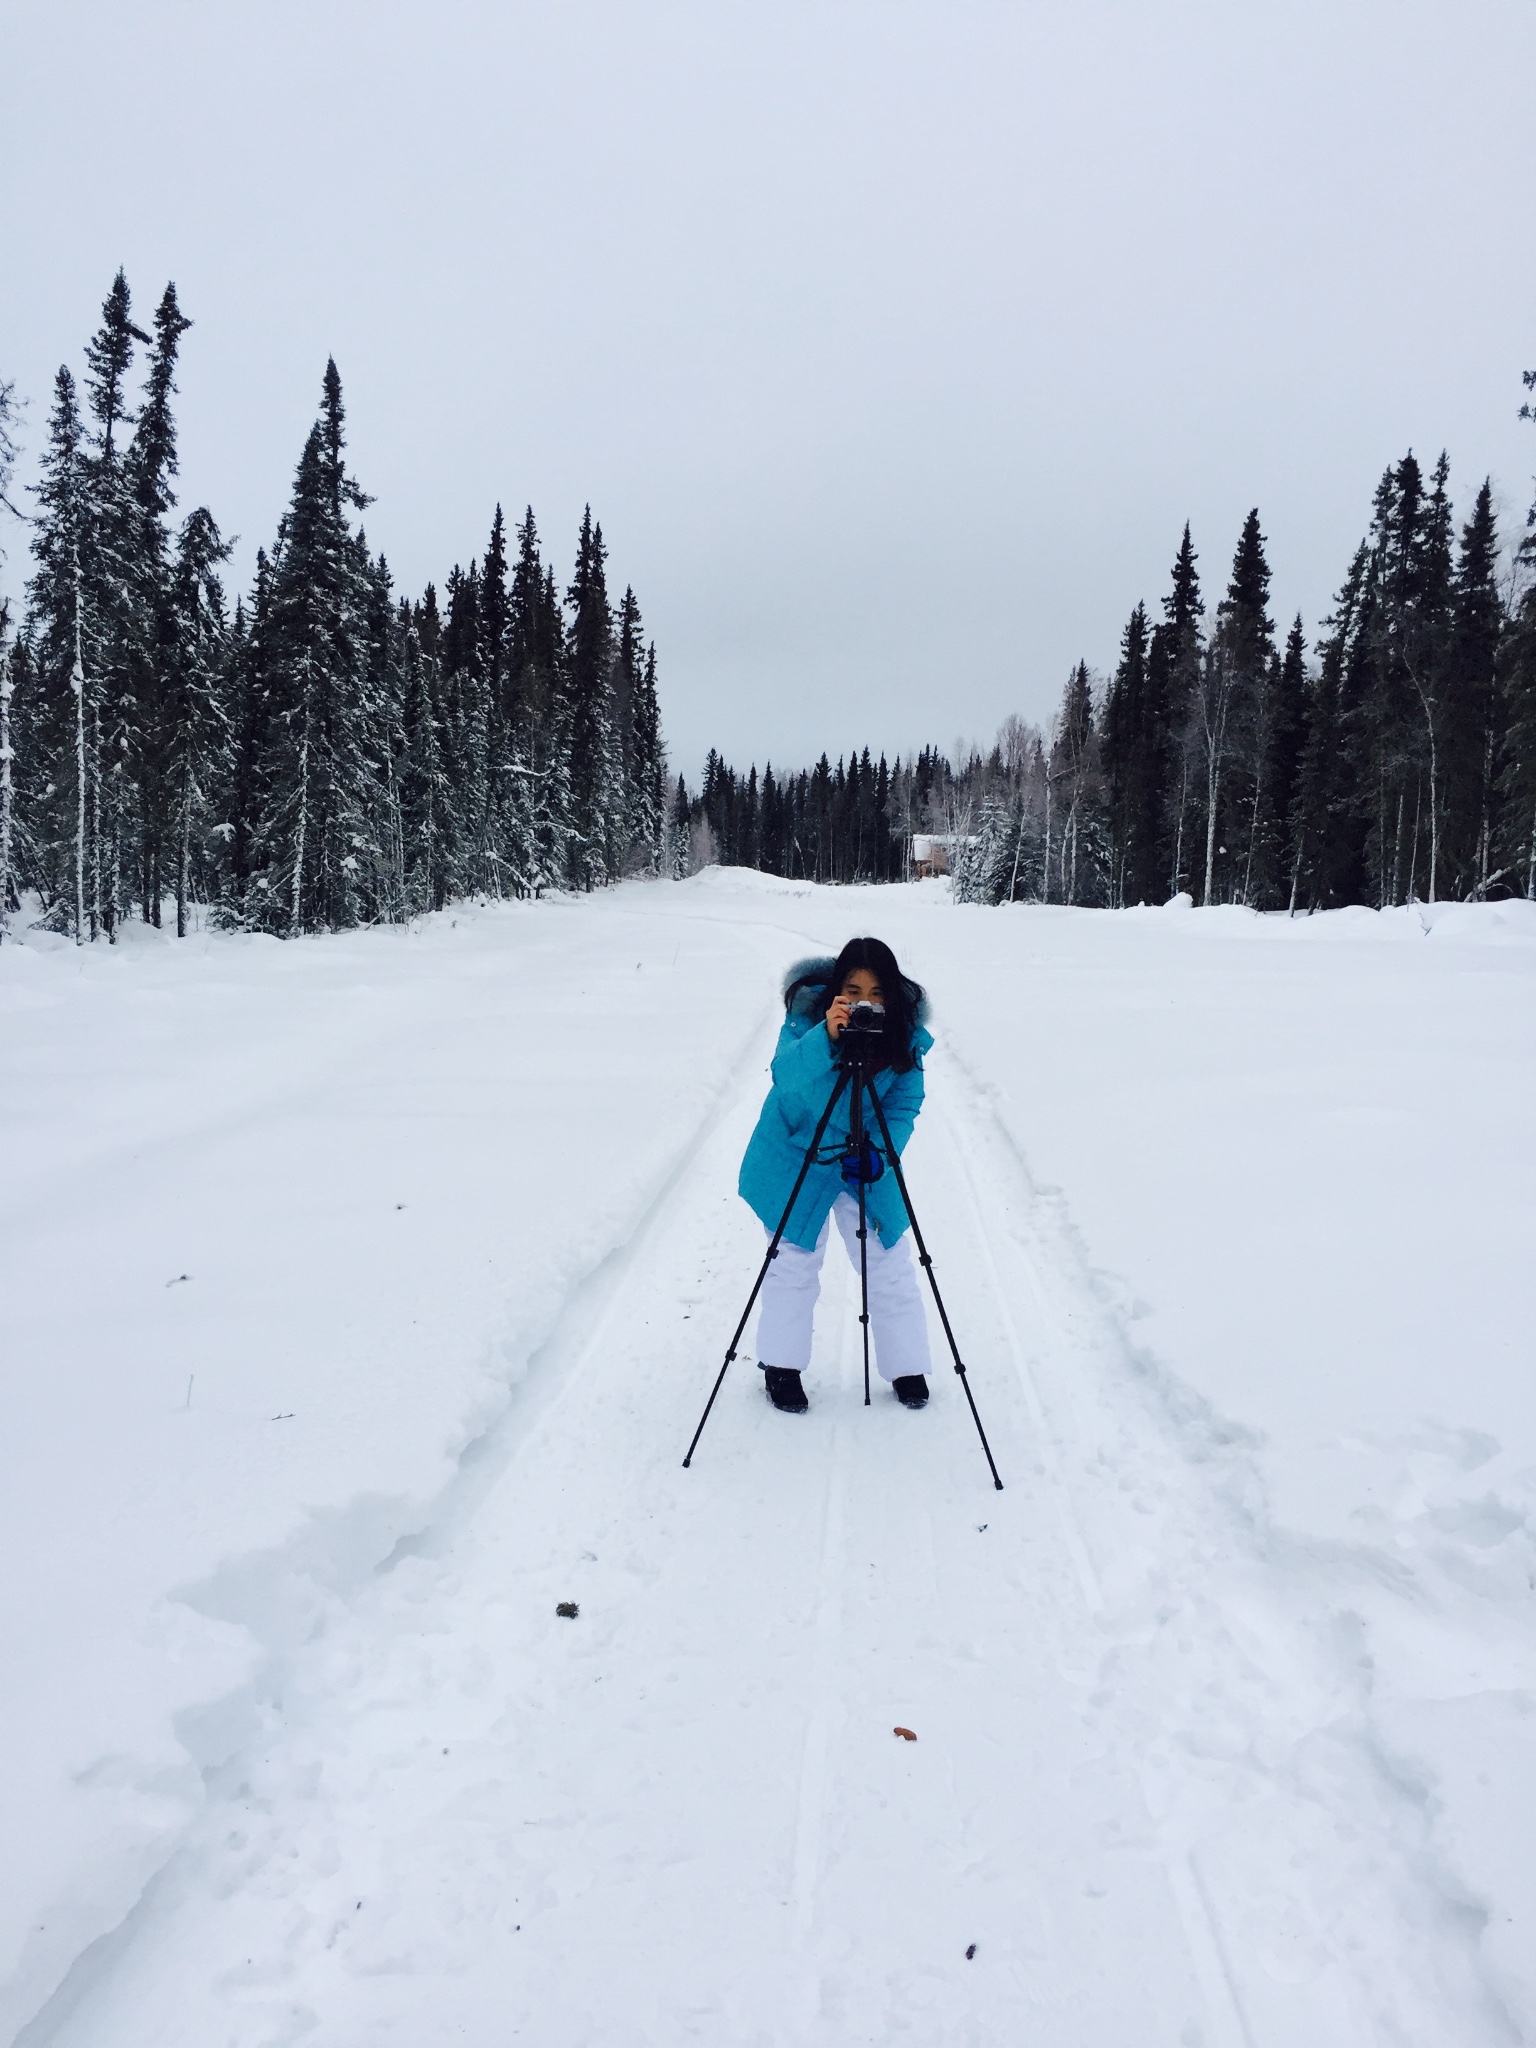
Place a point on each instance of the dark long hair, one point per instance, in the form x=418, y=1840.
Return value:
x=903, y=998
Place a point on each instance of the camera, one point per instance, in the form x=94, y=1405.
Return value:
x=865, y=1020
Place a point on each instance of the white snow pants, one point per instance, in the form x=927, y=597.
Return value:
x=895, y=1306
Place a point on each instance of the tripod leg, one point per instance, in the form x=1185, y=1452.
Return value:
x=927, y=1265
x=864, y=1289
x=856, y=1139
x=771, y=1254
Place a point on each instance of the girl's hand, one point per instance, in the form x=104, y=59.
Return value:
x=837, y=1016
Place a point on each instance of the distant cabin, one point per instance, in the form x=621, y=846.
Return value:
x=930, y=854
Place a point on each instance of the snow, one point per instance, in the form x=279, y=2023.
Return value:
x=1226, y=1706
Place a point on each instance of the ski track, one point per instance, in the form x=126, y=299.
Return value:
x=1145, y=1782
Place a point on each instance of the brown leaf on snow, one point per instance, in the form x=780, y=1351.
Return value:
x=905, y=1734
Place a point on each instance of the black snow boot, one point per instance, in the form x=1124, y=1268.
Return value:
x=785, y=1390
x=911, y=1390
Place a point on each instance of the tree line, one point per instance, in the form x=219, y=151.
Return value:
x=328, y=754
x=848, y=823
x=1393, y=761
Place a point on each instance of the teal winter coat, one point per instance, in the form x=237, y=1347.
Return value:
x=804, y=1071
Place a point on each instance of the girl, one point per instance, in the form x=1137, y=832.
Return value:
x=818, y=996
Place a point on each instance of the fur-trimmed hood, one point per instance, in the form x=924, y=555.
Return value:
x=816, y=971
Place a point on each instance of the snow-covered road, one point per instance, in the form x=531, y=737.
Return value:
x=1148, y=1786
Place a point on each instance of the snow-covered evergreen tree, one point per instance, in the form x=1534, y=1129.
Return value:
x=596, y=785
x=195, y=748
x=121, y=627
x=534, y=829
x=1327, y=842
x=643, y=758
x=1076, y=853
x=426, y=798
x=1225, y=718
x=1475, y=720
x=151, y=654
x=1175, y=662
x=8, y=452
x=496, y=826
x=1125, y=740
x=318, y=833
x=1517, y=774
x=650, y=779
x=67, y=729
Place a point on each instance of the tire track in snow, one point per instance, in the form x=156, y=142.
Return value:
x=1201, y=1933
x=587, y=1314
x=1071, y=1528
x=811, y=1801
x=1223, y=2006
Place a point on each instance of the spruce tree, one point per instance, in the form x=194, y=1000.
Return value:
x=114, y=606
x=554, y=823
x=538, y=718
x=1410, y=618
x=1473, y=709
x=466, y=728
x=649, y=780
x=152, y=654
x=1176, y=663
x=8, y=453
x=1079, y=852
x=246, y=790
x=596, y=797
x=679, y=833
x=196, y=722
x=497, y=776
x=636, y=739
x=1123, y=738
x=61, y=636
x=426, y=801
x=1517, y=776
x=14, y=668
x=384, y=690
x=629, y=655
x=1327, y=831
x=1234, y=721
x=318, y=836
x=495, y=621
x=1287, y=734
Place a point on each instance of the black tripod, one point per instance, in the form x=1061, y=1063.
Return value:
x=855, y=1074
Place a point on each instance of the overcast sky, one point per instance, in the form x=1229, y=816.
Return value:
x=892, y=344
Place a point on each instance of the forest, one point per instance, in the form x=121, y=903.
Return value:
x=326, y=753
x=1393, y=761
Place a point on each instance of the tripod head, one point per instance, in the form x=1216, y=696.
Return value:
x=863, y=1036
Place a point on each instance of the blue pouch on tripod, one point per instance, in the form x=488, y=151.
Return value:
x=864, y=1165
